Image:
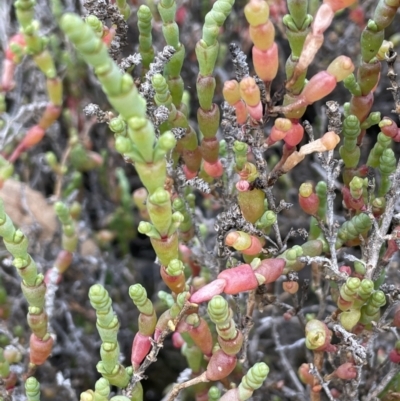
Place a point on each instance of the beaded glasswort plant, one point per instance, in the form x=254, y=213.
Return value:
x=270, y=285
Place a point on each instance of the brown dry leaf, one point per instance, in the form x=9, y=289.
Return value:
x=27, y=207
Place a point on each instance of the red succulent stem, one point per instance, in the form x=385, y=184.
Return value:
x=141, y=346
x=40, y=349
x=201, y=335
x=220, y=365
x=241, y=278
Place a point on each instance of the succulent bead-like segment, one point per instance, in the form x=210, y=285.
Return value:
x=371, y=40
x=186, y=228
x=251, y=201
x=214, y=394
x=193, y=356
x=364, y=292
x=152, y=175
x=280, y=129
x=209, y=147
x=95, y=24
x=360, y=106
x=215, y=19
x=253, y=380
x=352, y=85
x=383, y=142
x=166, y=249
x=349, y=290
x=368, y=76
x=33, y=286
x=102, y=388
x=291, y=257
x=88, y=395
x=356, y=187
x=199, y=332
x=141, y=346
x=243, y=242
x=25, y=12
x=109, y=353
x=118, y=377
x=7, y=229
x=208, y=113
x=352, y=202
x=349, y=318
x=250, y=93
x=350, y=152
x=371, y=311
x=18, y=245
x=107, y=325
x=232, y=96
x=138, y=295
x=173, y=276
x=219, y=311
x=241, y=150
x=37, y=321
x=266, y=220
x=318, y=336
x=118, y=126
x=346, y=371
x=167, y=10
x=229, y=338
x=146, y=49
x=220, y=365
x=297, y=24
x=32, y=389
x=69, y=236
x=209, y=121
x=123, y=8
x=163, y=95
x=387, y=166
x=350, y=230
x=25, y=16
x=160, y=210
x=390, y=129
x=40, y=349
x=177, y=119
x=107, y=322
x=308, y=199
x=4, y=365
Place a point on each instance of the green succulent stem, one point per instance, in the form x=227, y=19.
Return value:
x=4, y=365
x=253, y=380
x=371, y=311
x=350, y=230
x=123, y=8
x=119, y=88
x=146, y=49
x=240, y=150
x=108, y=325
x=215, y=19
x=102, y=389
x=138, y=295
x=349, y=151
x=32, y=389
x=387, y=166
x=383, y=142
x=69, y=234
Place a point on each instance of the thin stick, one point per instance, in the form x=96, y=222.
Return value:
x=178, y=387
x=156, y=347
x=372, y=396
